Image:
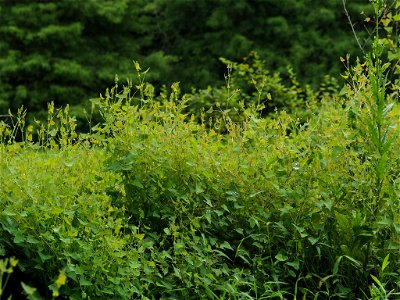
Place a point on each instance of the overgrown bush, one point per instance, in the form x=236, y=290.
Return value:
x=161, y=201
x=154, y=204
x=250, y=84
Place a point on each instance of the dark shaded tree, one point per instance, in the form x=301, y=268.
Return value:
x=69, y=50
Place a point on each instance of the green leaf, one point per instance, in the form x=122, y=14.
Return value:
x=31, y=292
x=376, y=280
x=53, y=132
x=281, y=257
x=69, y=163
x=313, y=240
x=139, y=236
x=385, y=262
x=388, y=108
x=208, y=216
x=253, y=222
x=207, y=201
x=32, y=240
x=355, y=262
x=8, y=212
x=28, y=289
x=393, y=55
x=114, y=166
x=84, y=282
x=56, y=210
x=295, y=264
x=336, y=265
x=199, y=188
x=19, y=237
x=123, y=164
x=226, y=245
x=44, y=256
x=239, y=230
x=343, y=91
x=130, y=158
x=137, y=182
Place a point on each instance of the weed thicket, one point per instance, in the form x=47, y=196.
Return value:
x=163, y=200
x=154, y=204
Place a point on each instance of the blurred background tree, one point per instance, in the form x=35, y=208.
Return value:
x=70, y=50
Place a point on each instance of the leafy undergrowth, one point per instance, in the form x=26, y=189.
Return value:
x=156, y=204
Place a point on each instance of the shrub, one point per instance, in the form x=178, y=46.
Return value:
x=157, y=203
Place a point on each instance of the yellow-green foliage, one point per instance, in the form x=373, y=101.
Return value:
x=154, y=204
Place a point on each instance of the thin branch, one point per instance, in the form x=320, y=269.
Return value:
x=352, y=26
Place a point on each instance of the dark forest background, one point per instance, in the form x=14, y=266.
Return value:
x=68, y=51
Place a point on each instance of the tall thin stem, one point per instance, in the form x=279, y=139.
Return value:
x=352, y=26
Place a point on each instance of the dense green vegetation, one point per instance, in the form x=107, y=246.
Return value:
x=155, y=204
x=259, y=188
x=67, y=51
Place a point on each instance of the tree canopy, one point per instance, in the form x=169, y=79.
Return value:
x=68, y=50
